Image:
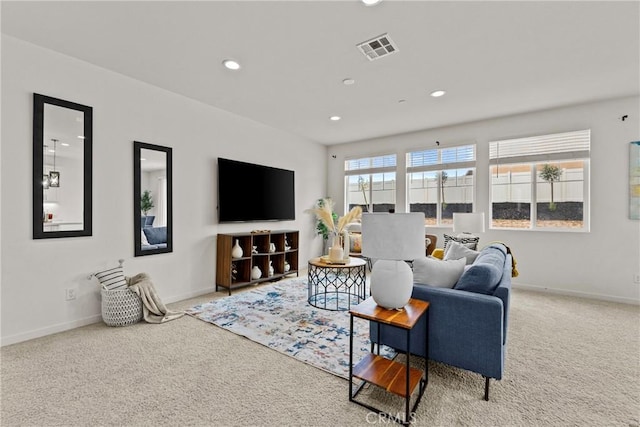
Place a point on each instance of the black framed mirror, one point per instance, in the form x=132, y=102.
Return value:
x=62, y=169
x=152, y=199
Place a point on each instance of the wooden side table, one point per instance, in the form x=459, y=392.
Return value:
x=400, y=379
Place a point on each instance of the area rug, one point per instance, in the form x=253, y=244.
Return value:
x=279, y=317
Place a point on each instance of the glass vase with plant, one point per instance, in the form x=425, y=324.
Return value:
x=333, y=224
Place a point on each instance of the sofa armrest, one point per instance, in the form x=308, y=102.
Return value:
x=465, y=329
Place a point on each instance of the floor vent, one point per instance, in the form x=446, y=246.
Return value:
x=378, y=47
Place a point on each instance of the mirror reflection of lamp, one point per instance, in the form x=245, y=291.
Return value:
x=54, y=175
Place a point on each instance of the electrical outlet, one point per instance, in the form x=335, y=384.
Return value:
x=636, y=278
x=70, y=294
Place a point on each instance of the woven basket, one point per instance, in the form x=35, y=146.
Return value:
x=121, y=307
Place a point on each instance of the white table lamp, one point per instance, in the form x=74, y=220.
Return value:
x=468, y=223
x=392, y=239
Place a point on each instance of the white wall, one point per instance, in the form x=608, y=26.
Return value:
x=600, y=263
x=35, y=273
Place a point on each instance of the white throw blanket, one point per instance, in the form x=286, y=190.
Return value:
x=153, y=309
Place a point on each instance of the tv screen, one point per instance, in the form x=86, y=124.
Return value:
x=251, y=192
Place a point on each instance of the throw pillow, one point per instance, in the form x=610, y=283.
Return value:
x=156, y=235
x=112, y=278
x=355, y=242
x=143, y=239
x=485, y=273
x=434, y=272
x=457, y=250
x=470, y=242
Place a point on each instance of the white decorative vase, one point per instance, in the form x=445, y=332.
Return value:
x=336, y=252
x=391, y=283
x=256, y=273
x=271, y=270
x=287, y=267
x=236, y=251
x=272, y=247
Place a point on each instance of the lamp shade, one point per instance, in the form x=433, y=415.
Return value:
x=393, y=236
x=468, y=222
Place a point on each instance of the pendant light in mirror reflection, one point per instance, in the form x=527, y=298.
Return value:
x=54, y=174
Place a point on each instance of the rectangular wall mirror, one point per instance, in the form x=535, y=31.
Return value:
x=152, y=188
x=62, y=182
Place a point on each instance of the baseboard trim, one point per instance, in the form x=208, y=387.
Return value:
x=189, y=295
x=66, y=326
x=50, y=330
x=578, y=294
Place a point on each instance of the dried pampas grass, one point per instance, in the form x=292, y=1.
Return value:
x=325, y=214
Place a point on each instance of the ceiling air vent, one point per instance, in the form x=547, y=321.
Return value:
x=378, y=47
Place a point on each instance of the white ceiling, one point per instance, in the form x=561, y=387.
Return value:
x=492, y=58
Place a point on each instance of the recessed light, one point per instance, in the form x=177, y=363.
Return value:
x=231, y=64
x=64, y=144
x=437, y=93
x=143, y=159
x=335, y=118
x=348, y=81
x=370, y=2
x=81, y=137
x=51, y=150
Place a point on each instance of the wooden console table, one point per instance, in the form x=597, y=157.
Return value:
x=400, y=379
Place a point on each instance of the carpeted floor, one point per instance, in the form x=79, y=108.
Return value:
x=570, y=362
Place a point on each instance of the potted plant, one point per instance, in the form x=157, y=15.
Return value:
x=146, y=202
x=325, y=206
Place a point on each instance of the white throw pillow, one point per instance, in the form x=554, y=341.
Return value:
x=143, y=239
x=438, y=273
x=112, y=278
x=457, y=250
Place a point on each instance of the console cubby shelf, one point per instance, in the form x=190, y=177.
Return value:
x=257, y=250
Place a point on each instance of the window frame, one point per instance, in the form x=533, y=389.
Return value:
x=370, y=171
x=533, y=160
x=438, y=167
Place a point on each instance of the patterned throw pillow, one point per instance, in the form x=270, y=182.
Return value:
x=355, y=242
x=471, y=242
x=112, y=278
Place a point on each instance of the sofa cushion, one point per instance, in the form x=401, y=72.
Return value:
x=469, y=241
x=156, y=235
x=484, y=275
x=457, y=250
x=434, y=272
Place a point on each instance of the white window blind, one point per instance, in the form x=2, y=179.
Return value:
x=559, y=146
x=437, y=159
x=371, y=164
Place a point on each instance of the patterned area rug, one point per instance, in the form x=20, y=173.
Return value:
x=279, y=317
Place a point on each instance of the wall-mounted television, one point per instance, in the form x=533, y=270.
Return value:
x=252, y=192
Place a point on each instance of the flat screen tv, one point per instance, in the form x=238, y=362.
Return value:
x=252, y=192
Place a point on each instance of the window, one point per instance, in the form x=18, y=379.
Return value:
x=371, y=183
x=440, y=182
x=541, y=182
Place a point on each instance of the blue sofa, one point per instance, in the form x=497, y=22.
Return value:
x=467, y=328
